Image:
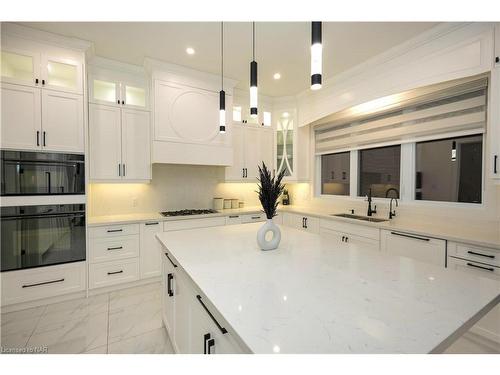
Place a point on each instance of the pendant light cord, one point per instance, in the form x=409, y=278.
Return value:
x=253, y=40
x=222, y=54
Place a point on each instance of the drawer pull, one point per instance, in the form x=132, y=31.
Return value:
x=481, y=267
x=255, y=217
x=206, y=337
x=410, y=236
x=43, y=283
x=233, y=216
x=114, y=273
x=115, y=248
x=222, y=329
x=210, y=344
x=114, y=230
x=173, y=264
x=170, y=277
x=155, y=223
x=481, y=255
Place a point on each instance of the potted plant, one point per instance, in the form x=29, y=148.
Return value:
x=269, y=189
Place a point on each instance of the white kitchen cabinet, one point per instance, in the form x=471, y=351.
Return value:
x=303, y=222
x=114, y=248
x=182, y=305
x=119, y=144
x=167, y=295
x=150, y=250
x=20, y=67
x=21, y=117
x=421, y=248
x=252, y=145
x=494, y=125
x=194, y=223
x=106, y=88
x=62, y=121
x=113, y=272
x=61, y=73
x=497, y=44
x=351, y=241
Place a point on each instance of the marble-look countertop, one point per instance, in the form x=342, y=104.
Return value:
x=481, y=234
x=311, y=296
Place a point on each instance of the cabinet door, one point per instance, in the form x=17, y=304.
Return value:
x=62, y=121
x=104, y=142
x=20, y=67
x=134, y=95
x=252, y=152
x=494, y=138
x=361, y=243
x=497, y=44
x=150, y=250
x=424, y=249
x=235, y=172
x=266, y=143
x=62, y=74
x=293, y=220
x=21, y=120
x=104, y=91
x=335, y=238
x=136, y=140
x=183, y=297
x=168, y=297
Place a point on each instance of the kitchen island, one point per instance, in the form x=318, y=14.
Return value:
x=222, y=295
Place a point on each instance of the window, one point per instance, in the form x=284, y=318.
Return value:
x=335, y=176
x=379, y=170
x=449, y=170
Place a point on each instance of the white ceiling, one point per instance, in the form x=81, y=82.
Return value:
x=280, y=46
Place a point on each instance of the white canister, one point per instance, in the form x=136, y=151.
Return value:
x=218, y=204
x=235, y=203
x=227, y=203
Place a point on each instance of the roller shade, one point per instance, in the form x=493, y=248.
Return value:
x=433, y=112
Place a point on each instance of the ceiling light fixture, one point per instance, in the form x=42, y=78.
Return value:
x=277, y=76
x=253, y=78
x=316, y=55
x=190, y=51
x=222, y=94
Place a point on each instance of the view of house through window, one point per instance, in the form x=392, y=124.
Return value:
x=379, y=170
x=335, y=177
x=449, y=170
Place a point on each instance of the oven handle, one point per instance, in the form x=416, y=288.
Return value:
x=77, y=214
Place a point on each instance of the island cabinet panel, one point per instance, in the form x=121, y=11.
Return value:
x=351, y=241
x=303, y=222
x=422, y=248
x=150, y=254
x=168, y=297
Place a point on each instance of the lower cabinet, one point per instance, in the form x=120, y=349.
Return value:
x=113, y=273
x=307, y=223
x=425, y=249
x=351, y=241
x=193, y=325
x=150, y=249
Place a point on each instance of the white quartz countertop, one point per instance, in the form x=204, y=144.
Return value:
x=311, y=296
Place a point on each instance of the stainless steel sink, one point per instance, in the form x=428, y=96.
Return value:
x=359, y=217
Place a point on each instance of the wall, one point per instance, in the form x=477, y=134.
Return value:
x=173, y=187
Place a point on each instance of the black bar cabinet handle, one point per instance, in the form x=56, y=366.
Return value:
x=170, y=277
x=495, y=160
x=44, y=138
x=36, y=81
x=481, y=255
x=114, y=230
x=154, y=223
x=173, y=264
x=305, y=221
x=410, y=236
x=43, y=283
x=43, y=82
x=115, y=248
x=38, y=137
x=123, y=170
x=481, y=267
x=206, y=337
x=210, y=343
x=119, y=170
x=115, y=272
x=222, y=329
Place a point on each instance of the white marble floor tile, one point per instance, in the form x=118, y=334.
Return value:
x=134, y=320
x=99, y=350
x=72, y=336
x=74, y=309
x=119, y=302
x=153, y=342
x=15, y=340
x=470, y=343
x=136, y=290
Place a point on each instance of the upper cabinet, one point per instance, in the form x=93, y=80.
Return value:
x=497, y=44
x=120, y=93
x=42, y=101
x=291, y=146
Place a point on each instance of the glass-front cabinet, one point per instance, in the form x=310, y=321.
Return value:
x=21, y=67
x=117, y=92
x=62, y=74
x=285, y=129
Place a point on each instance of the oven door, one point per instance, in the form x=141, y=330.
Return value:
x=35, y=236
x=41, y=173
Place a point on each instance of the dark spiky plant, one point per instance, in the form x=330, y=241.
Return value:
x=270, y=189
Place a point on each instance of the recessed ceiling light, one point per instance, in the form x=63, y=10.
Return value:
x=277, y=76
x=190, y=51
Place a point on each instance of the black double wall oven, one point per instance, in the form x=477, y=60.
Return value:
x=42, y=215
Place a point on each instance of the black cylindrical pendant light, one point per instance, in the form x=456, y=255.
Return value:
x=253, y=78
x=316, y=55
x=222, y=94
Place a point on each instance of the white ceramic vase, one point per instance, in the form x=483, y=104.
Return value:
x=274, y=242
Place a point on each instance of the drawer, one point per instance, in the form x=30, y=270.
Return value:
x=358, y=230
x=253, y=218
x=233, y=219
x=475, y=253
x=113, y=248
x=112, y=273
x=28, y=285
x=303, y=222
x=475, y=268
x=194, y=223
x=113, y=230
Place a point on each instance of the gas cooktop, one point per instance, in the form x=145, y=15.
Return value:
x=188, y=212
